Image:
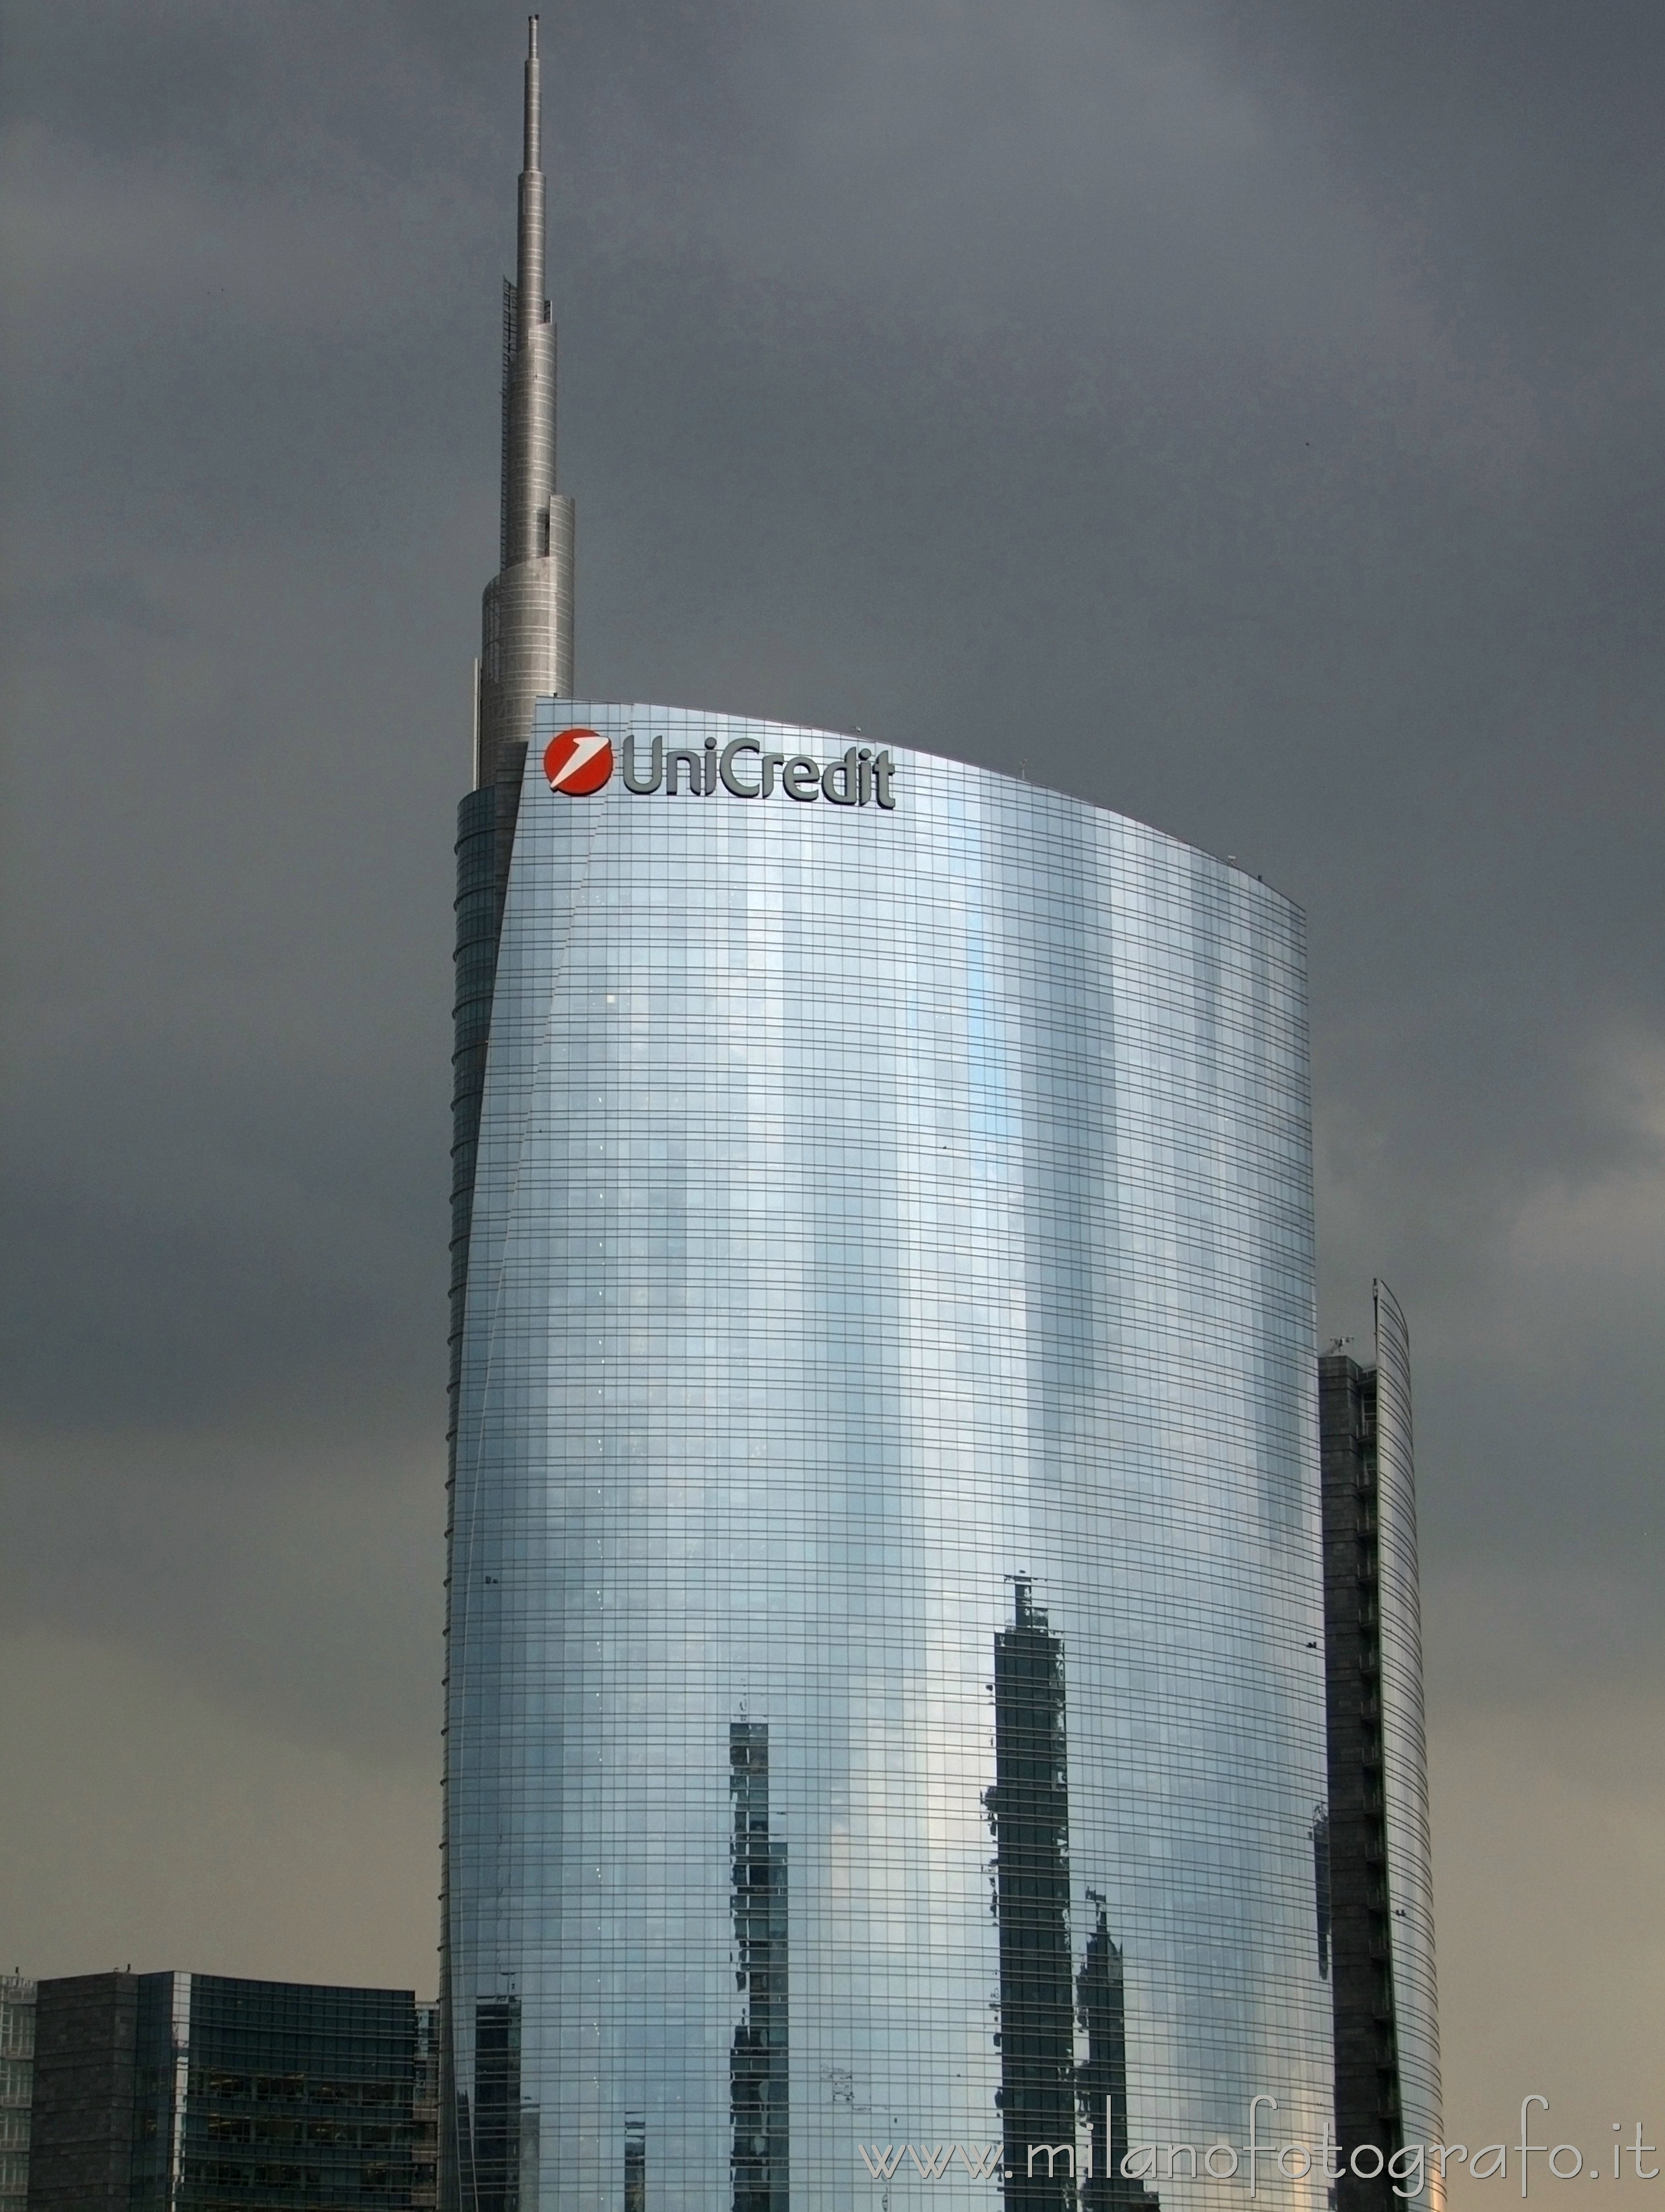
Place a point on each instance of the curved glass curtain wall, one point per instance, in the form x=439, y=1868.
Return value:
x=886, y=1677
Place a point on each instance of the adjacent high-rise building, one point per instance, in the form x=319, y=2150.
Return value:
x=81, y=2118
x=886, y=1677
x=203, y=2092
x=1374, y=1835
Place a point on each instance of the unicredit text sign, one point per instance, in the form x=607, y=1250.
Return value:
x=581, y=762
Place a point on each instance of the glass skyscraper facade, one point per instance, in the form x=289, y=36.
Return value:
x=886, y=1691
x=886, y=1706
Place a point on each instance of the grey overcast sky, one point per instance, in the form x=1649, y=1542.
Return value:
x=1247, y=415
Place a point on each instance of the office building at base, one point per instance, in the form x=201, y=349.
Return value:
x=201, y=2093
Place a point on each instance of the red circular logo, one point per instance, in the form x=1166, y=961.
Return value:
x=578, y=762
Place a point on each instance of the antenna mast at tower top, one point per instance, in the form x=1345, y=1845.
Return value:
x=526, y=642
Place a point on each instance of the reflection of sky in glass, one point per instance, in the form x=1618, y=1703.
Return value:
x=871, y=1207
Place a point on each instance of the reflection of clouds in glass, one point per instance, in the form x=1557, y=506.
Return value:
x=867, y=1202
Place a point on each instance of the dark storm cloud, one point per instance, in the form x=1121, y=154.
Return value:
x=1248, y=417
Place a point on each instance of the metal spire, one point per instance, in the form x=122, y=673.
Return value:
x=529, y=260
x=530, y=141
x=527, y=648
x=532, y=362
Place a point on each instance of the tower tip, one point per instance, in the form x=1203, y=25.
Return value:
x=534, y=99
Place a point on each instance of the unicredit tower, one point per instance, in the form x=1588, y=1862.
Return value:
x=886, y=1709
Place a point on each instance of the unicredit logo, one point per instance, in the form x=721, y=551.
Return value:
x=579, y=762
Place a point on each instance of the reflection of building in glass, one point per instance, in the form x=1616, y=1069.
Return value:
x=1380, y=1894
x=17, y=2088
x=1029, y=1813
x=1321, y=1881
x=1101, y=2075
x=496, y=2135
x=851, y=1201
x=1042, y=1996
x=635, y=2165
x=177, y=2093
x=758, y=2054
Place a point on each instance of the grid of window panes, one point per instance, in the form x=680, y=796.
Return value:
x=17, y=2088
x=271, y=2093
x=885, y=1674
